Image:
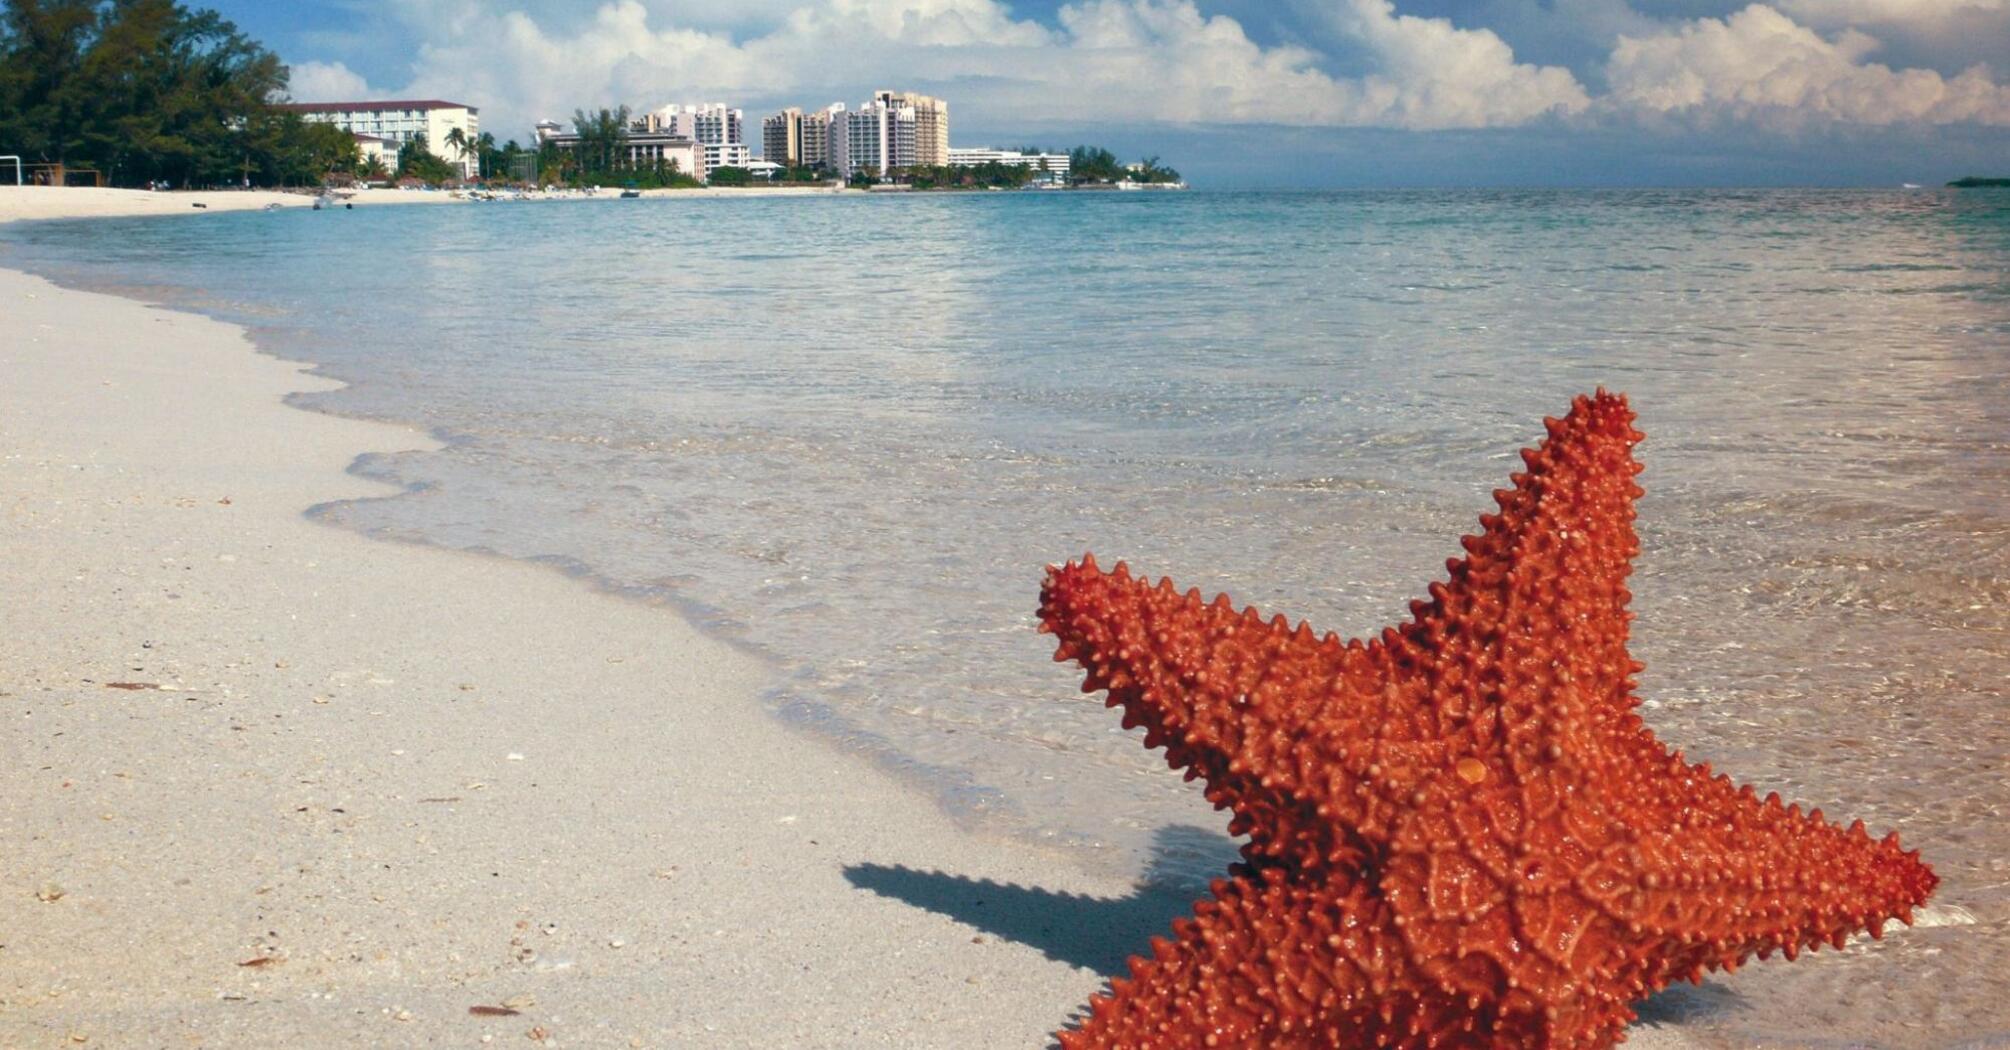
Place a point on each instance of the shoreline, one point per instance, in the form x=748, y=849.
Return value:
x=372, y=787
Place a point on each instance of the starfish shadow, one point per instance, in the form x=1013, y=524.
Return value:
x=1102, y=933
x=1095, y=933
x=1679, y=1004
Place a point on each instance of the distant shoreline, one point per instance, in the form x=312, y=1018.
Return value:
x=32, y=203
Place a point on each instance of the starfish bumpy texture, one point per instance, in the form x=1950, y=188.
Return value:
x=1460, y=832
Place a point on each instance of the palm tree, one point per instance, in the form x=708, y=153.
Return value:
x=614, y=136
x=458, y=138
x=485, y=155
x=602, y=137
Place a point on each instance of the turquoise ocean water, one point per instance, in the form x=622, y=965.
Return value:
x=849, y=433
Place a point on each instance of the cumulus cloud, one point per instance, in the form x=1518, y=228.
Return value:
x=1759, y=64
x=326, y=81
x=1763, y=65
x=1430, y=73
x=1108, y=60
x=1946, y=35
x=1889, y=12
x=1352, y=63
x=1167, y=61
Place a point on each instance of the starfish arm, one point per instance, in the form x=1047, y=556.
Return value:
x=1609, y=874
x=1282, y=962
x=1534, y=616
x=1718, y=874
x=1267, y=961
x=1283, y=726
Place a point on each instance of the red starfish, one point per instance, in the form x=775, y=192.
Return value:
x=1460, y=833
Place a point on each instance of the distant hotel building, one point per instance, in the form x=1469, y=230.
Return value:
x=931, y=124
x=727, y=155
x=1054, y=166
x=397, y=122
x=715, y=127
x=874, y=139
x=893, y=131
x=711, y=123
x=782, y=138
x=896, y=129
x=817, y=136
x=795, y=139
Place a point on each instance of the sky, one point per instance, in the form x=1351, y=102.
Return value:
x=1247, y=93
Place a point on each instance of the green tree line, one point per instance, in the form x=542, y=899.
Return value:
x=1095, y=164
x=146, y=91
x=1087, y=165
x=987, y=175
x=601, y=157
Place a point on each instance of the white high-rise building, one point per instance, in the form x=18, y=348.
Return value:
x=711, y=123
x=876, y=138
x=782, y=138
x=726, y=155
x=817, y=136
x=931, y=124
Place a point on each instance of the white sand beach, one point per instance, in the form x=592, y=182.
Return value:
x=271, y=783
x=48, y=202
x=76, y=202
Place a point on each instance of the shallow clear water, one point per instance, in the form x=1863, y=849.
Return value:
x=849, y=433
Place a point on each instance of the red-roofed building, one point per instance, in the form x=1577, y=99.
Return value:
x=398, y=121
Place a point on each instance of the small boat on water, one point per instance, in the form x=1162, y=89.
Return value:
x=630, y=193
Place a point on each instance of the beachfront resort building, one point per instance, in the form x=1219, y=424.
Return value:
x=1052, y=167
x=396, y=122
